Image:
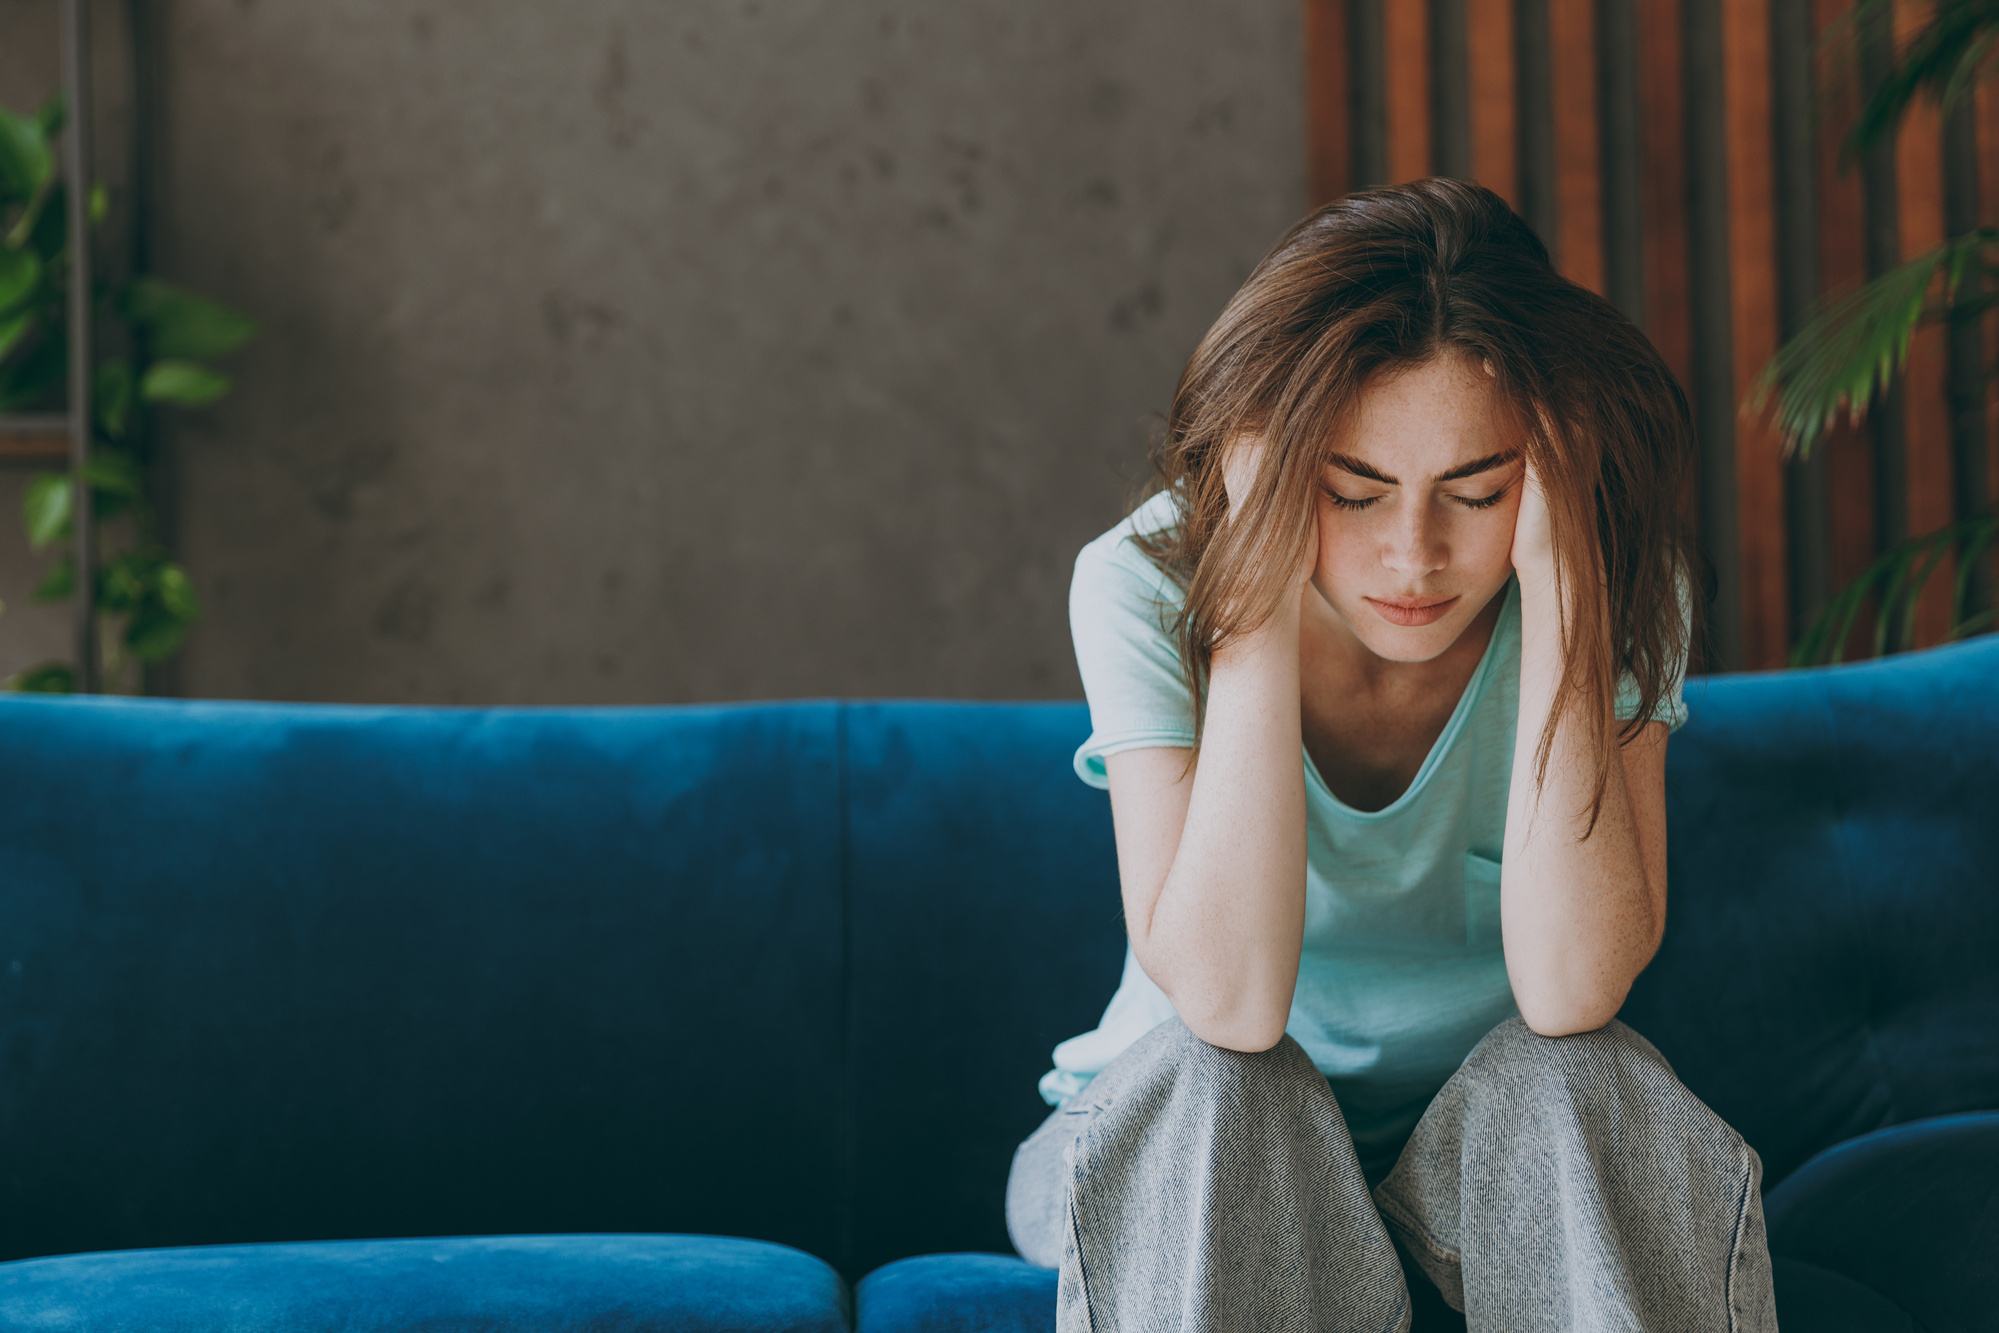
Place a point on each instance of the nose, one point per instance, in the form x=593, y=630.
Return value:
x=1413, y=548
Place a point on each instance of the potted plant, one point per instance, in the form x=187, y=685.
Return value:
x=172, y=337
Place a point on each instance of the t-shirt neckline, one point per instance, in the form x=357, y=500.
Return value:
x=1467, y=701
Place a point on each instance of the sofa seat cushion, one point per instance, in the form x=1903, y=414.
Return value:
x=1909, y=1211
x=990, y=1293
x=495, y=1284
x=957, y=1293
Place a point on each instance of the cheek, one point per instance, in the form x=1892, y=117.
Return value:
x=1343, y=549
x=1482, y=542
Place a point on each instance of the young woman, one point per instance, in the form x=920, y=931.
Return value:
x=1380, y=683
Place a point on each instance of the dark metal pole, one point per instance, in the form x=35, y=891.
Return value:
x=76, y=194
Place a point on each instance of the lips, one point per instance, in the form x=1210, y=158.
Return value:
x=1410, y=611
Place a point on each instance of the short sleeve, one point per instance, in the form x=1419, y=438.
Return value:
x=1672, y=707
x=1121, y=612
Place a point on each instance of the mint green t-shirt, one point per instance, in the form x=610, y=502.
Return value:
x=1401, y=971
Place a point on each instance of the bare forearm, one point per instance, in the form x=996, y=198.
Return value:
x=1578, y=915
x=1223, y=935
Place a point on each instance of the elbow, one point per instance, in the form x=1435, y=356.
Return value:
x=1248, y=1039
x=1565, y=996
x=1247, y=1034
x=1234, y=1007
x=1569, y=1011
x=1568, y=1015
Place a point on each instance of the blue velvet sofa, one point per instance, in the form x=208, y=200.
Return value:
x=729, y=1018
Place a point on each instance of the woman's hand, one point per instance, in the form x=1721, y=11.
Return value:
x=1240, y=466
x=1533, y=537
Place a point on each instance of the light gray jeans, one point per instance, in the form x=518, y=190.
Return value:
x=1568, y=1183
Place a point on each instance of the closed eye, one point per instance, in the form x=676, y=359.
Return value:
x=1342, y=502
x=1481, y=501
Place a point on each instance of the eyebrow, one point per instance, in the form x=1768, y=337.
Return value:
x=1348, y=463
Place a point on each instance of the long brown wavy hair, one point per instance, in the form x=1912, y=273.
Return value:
x=1389, y=279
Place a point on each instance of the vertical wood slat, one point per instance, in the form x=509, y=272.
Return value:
x=1926, y=391
x=1328, y=130
x=1405, y=42
x=1842, y=267
x=1752, y=239
x=1578, y=165
x=1573, y=214
x=1663, y=185
x=1495, y=116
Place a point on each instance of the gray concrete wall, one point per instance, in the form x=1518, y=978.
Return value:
x=719, y=349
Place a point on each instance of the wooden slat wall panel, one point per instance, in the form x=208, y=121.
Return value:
x=1405, y=42
x=1328, y=135
x=1752, y=241
x=1578, y=164
x=1500, y=39
x=1495, y=115
x=1926, y=391
x=1842, y=267
x=1663, y=124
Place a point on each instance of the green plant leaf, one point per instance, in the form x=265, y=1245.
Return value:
x=58, y=583
x=112, y=395
x=115, y=472
x=182, y=383
x=35, y=374
x=1942, y=59
x=44, y=224
x=163, y=605
x=1895, y=583
x=25, y=161
x=50, y=115
x=14, y=328
x=100, y=204
x=121, y=583
x=154, y=633
x=48, y=678
x=20, y=275
x=1853, y=345
x=183, y=325
x=45, y=509
x=176, y=593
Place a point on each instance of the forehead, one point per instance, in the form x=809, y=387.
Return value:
x=1428, y=419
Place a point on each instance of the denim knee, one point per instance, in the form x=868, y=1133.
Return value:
x=1234, y=1073
x=1171, y=1057
x=1586, y=1070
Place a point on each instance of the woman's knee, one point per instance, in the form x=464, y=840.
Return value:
x=1585, y=1070
x=1174, y=1050
x=1172, y=1076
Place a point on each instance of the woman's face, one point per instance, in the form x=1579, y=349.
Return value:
x=1416, y=513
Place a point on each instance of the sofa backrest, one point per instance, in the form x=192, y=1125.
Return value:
x=791, y=971
x=1831, y=960
x=310, y=972
x=303, y=972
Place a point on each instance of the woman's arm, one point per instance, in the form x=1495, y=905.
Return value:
x=1580, y=916
x=1211, y=855
x=1212, y=862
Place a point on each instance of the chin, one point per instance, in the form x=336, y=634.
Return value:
x=1408, y=643
x=1424, y=643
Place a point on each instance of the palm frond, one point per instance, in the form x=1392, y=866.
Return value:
x=1894, y=583
x=1852, y=346
x=1944, y=58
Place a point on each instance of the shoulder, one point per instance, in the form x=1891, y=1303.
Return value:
x=1122, y=609
x=1114, y=569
